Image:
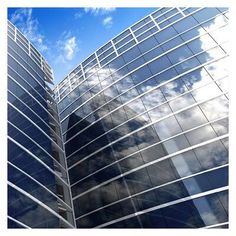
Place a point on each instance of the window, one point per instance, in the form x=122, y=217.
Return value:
x=148, y=44
x=181, y=102
x=165, y=34
x=179, y=54
x=131, y=54
x=173, y=88
x=202, y=43
x=200, y=135
x=141, y=74
x=161, y=172
x=192, y=33
x=153, y=98
x=191, y=118
x=206, y=92
x=211, y=209
x=134, y=108
x=176, y=144
x=159, y=112
x=186, y=164
x=218, y=69
x=153, y=53
x=172, y=43
x=122, y=35
x=159, y=64
x=215, y=108
x=214, y=53
x=205, y=14
x=196, y=78
x=221, y=126
x=212, y=155
x=187, y=65
x=135, y=64
x=185, y=24
x=167, y=128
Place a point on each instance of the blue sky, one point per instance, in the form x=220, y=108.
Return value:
x=66, y=36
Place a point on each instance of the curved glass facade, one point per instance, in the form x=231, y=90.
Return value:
x=145, y=124
x=38, y=187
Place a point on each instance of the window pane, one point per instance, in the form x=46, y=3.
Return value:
x=205, y=14
x=184, y=24
x=191, y=118
x=206, y=92
x=159, y=112
x=186, y=164
x=181, y=102
x=179, y=54
x=141, y=74
x=212, y=155
x=215, y=108
x=167, y=128
x=159, y=64
x=153, y=98
x=148, y=44
x=200, y=135
x=165, y=34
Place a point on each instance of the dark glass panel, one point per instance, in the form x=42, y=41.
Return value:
x=212, y=155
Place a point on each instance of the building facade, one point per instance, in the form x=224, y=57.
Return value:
x=38, y=187
x=137, y=136
x=145, y=124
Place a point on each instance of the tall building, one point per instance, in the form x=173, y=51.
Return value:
x=38, y=186
x=144, y=124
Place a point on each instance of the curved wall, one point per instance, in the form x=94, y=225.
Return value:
x=38, y=187
x=145, y=124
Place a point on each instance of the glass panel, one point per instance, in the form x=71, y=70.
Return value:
x=141, y=74
x=161, y=172
x=191, y=118
x=159, y=64
x=200, y=135
x=196, y=79
x=167, y=128
x=148, y=44
x=176, y=144
x=186, y=164
x=173, y=89
x=131, y=54
x=215, y=108
x=172, y=43
x=159, y=112
x=206, y=92
x=181, y=102
x=165, y=34
x=185, y=24
x=212, y=155
x=221, y=126
x=205, y=14
x=179, y=54
x=153, y=98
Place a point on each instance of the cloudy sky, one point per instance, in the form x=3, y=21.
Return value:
x=66, y=36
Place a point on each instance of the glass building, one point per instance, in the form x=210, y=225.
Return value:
x=145, y=124
x=38, y=186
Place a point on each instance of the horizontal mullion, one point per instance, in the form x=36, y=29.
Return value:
x=165, y=53
x=151, y=163
x=145, y=148
x=153, y=188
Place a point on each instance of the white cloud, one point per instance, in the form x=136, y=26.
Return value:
x=29, y=26
x=99, y=10
x=70, y=48
x=67, y=47
x=107, y=22
x=78, y=15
